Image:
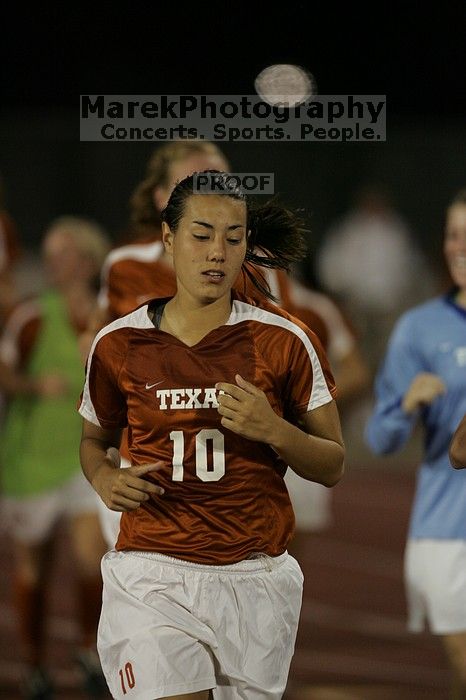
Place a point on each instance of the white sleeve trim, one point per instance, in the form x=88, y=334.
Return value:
x=242, y=311
x=136, y=319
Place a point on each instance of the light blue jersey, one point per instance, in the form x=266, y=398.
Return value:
x=428, y=338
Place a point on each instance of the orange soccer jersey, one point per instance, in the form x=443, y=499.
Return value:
x=225, y=497
x=136, y=272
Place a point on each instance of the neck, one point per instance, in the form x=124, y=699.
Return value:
x=190, y=320
x=460, y=298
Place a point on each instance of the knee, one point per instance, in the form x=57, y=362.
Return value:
x=456, y=651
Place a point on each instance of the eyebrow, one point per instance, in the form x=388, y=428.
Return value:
x=210, y=226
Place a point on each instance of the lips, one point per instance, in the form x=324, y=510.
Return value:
x=459, y=262
x=214, y=274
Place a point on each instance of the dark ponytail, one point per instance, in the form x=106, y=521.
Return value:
x=277, y=239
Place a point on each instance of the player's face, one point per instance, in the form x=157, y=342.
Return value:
x=178, y=170
x=455, y=244
x=62, y=259
x=209, y=245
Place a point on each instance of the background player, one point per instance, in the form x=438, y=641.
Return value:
x=41, y=480
x=423, y=379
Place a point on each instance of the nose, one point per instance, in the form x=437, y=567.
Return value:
x=217, y=249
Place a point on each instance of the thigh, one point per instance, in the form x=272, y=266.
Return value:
x=414, y=575
x=255, y=617
x=31, y=520
x=33, y=561
x=149, y=639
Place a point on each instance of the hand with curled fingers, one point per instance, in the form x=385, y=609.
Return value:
x=245, y=410
x=125, y=489
x=424, y=389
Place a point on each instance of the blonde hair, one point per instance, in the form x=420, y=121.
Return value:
x=143, y=212
x=459, y=198
x=89, y=237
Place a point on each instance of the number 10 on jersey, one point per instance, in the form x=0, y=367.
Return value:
x=205, y=439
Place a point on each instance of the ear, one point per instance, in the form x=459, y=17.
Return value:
x=167, y=238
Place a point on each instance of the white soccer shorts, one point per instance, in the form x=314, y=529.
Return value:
x=31, y=519
x=435, y=577
x=172, y=627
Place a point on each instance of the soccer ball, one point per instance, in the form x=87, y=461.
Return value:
x=284, y=83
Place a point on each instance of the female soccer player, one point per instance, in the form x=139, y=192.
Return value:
x=142, y=270
x=42, y=484
x=219, y=395
x=423, y=379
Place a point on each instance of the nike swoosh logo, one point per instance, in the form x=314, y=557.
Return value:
x=151, y=386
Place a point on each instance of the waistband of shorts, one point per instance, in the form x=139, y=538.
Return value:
x=254, y=563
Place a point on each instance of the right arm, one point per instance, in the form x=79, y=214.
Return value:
x=403, y=388
x=120, y=489
x=14, y=383
x=103, y=408
x=458, y=446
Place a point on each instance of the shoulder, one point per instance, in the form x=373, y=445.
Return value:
x=262, y=311
x=272, y=324
x=116, y=334
x=419, y=324
x=145, y=252
x=20, y=330
x=22, y=313
x=426, y=312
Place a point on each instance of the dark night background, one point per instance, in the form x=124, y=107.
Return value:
x=50, y=57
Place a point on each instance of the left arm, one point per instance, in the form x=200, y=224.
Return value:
x=315, y=452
